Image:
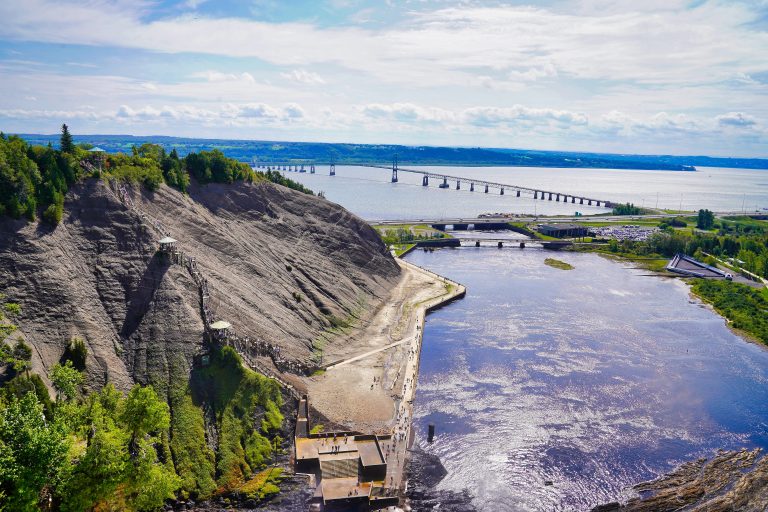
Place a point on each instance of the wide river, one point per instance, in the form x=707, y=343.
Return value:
x=590, y=379
x=369, y=193
x=594, y=379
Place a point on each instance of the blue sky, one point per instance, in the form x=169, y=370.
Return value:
x=657, y=76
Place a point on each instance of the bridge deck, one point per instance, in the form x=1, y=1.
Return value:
x=431, y=174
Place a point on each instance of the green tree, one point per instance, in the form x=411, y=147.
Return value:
x=32, y=452
x=144, y=413
x=66, y=143
x=67, y=380
x=706, y=219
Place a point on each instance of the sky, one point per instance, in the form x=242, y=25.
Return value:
x=627, y=76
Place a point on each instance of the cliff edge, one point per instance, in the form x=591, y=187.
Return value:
x=283, y=267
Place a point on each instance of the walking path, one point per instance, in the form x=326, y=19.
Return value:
x=402, y=434
x=363, y=386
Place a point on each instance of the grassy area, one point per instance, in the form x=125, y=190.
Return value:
x=401, y=249
x=745, y=307
x=418, y=230
x=552, y=262
x=194, y=459
x=264, y=484
x=247, y=409
x=653, y=262
x=317, y=429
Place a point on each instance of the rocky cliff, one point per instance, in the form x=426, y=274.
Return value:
x=282, y=266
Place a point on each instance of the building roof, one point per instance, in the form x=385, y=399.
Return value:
x=167, y=240
x=221, y=324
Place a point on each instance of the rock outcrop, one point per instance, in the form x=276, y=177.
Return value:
x=282, y=267
x=730, y=481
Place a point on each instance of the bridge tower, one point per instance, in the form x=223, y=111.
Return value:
x=394, y=169
x=471, y=187
x=501, y=193
x=486, y=189
x=312, y=169
x=458, y=185
x=333, y=169
x=518, y=193
x=425, y=181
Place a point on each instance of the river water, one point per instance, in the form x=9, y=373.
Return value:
x=591, y=379
x=369, y=193
x=595, y=379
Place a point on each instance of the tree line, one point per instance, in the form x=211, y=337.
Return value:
x=34, y=179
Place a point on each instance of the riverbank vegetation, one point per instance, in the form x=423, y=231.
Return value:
x=35, y=179
x=628, y=209
x=404, y=236
x=738, y=243
x=745, y=307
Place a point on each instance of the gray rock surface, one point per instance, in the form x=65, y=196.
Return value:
x=281, y=264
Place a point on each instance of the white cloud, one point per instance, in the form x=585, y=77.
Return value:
x=217, y=76
x=304, y=77
x=736, y=119
x=571, y=71
x=490, y=116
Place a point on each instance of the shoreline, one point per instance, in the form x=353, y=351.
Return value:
x=371, y=385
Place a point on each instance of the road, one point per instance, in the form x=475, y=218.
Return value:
x=581, y=218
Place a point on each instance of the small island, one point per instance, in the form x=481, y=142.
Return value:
x=552, y=262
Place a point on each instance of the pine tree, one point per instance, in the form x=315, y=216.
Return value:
x=67, y=145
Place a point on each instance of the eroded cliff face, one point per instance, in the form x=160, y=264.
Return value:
x=282, y=267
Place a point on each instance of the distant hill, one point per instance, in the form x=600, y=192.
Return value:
x=341, y=153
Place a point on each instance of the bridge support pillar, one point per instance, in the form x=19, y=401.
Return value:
x=445, y=184
x=518, y=193
x=500, y=245
x=312, y=169
x=471, y=187
x=597, y=203
x=486, y=189
x=522, y=245
x=477, y=243
x=550, y=196
x=581, y=200
x=394, y=169
x=458, y=185
x=535, y=194
x=302, y=168
x=425, y=181
x=333, y=170
x=589, y=202
x=573, y=199
x=501, y=192
x=557, y=198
